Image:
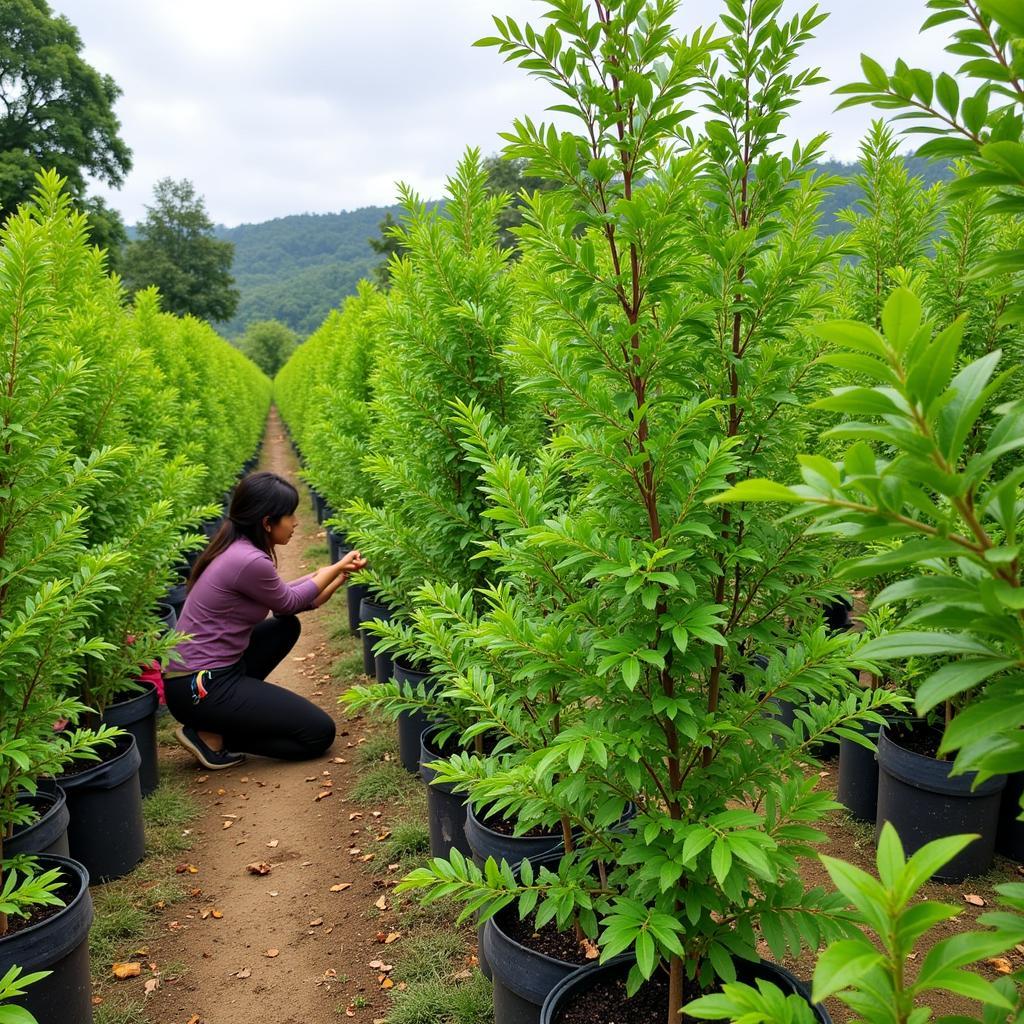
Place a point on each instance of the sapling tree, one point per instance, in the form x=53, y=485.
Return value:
x=50, y=584
x=323, y=393
x=933, y=468
x=673, y=282
x=452, y=307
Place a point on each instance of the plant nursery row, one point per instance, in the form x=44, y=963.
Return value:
x=681, y=496
x=124, y=429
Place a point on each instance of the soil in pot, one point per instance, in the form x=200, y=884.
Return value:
x=411, y=724
x=55, y=939
x=106, y=832
x=48, y=833
x=596, y=994
x=525, y=964
x=1010, y=837
x=917, y=793
x=135, y=712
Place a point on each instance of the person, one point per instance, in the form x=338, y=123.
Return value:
x=215, y=682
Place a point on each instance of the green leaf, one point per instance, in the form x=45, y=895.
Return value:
x=1008, y=13
x=912, y=642
x=841, y=965
x=757, y=490
x=948, y=93
x=955, y=678
x=901, y=318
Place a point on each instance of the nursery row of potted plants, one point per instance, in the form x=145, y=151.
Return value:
x=123, y=425
x=561, y=461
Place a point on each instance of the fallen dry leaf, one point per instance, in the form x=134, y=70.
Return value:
x=244, y=972
x=260, y=867
x=1001, y=964
x=323, y=794
x=97, y=1000
x=590, y=951
x=316, y=922
x=354, y=815
x=974, y=900
x=341, y=887
x=151, y=985
x=218, y=914
x=381, y=904
x=387, y=983
x=392, y=937
x=195, y=1019
x=379, y=965
x=273, y=892
x=227, y=824
x=183, y=869
x=350, y=1010
x=366, y=858
x=273, y=843
x=271, y=953
x=127, y=970
x=353, y=850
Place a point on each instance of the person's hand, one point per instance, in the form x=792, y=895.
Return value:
x=352, y=562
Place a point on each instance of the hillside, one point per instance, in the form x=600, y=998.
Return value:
x=296, y=269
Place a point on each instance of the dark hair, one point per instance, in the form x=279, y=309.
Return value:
x=258, y=496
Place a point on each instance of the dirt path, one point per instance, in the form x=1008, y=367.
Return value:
x=280, y=948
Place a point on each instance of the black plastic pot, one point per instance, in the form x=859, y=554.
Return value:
x=521, y=978
x=924, y=801
x=106, y=832
x=838, y=615
x=1010, y=836
x=857, y=789
x=211, y=526
x=49, y=832
x=168, y=616
x=59, y=944
x=354, y=594
x=411, y=724
x=446, y=809
x=379, y=665
x=485, y=842
x=136, y=713
x=175, y=599
x=584, y=978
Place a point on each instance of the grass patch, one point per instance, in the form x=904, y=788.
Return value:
x=385, y=781
x=120, y=921
x=169, y=805
x=349, y=666
x=430, y=956
x=444, y=1002
x=407, y=839
x=124, y=1013
x=375, y=748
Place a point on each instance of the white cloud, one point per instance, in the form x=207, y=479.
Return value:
x=320, y=105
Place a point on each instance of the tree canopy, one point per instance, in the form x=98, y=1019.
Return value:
x=269, y=344
x=176, y=250
x=58, y=111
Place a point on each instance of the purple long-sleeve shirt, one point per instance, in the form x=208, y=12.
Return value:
x=234, y=593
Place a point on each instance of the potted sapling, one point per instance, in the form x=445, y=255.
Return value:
x=670, y=319
x=52, y=585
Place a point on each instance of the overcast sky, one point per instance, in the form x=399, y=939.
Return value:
x=274, y=108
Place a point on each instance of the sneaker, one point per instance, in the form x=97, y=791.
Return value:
x=205, y=755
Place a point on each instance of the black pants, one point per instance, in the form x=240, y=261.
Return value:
x=254, y=716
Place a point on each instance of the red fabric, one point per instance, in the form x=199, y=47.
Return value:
x=152, y=674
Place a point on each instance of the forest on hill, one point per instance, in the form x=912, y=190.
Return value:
x=296, y=269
